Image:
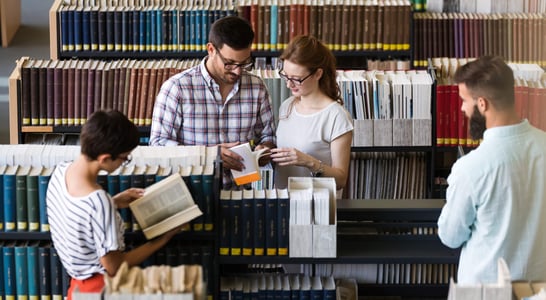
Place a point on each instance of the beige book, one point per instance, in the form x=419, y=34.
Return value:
x=165, y=205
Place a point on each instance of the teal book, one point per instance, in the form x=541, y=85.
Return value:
x=196, y=189
x=283, y=212
x=236, y=235
x=33, y=271
x=102, y=179
x=137, y=181
x=125, y=183
x=33, y=202
x=273, y=28
x=208, y=198
x=112, y=182
x=271, y=222
x=259, y=222
x=21, y=208
x=21, y=270
x=10, y=281
x=56, y=270
x=44, y=270
x=224, y=222
x=247, y=218
x=43, y=181
x=150, y=175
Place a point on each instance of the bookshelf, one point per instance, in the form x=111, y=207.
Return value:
x=10, y=20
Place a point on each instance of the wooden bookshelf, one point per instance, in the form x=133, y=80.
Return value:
x=10, y=20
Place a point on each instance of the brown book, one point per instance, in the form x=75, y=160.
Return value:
x=543, y=43
x=122, y=67
x=50, y=92
x=42, y=93
x=58, y=93
x=280, y=24
x=77, y=92
x=406, y=37
x=254, y=22
x=89, y=102
x=243, y=10
x=345, y=19
x=378, y=35
x=127, y=92
x=313, y=11
x=104, y=86
x=326, y=23
x=109, y=72
x=83, y=91
x=319, y=24
x=286, y=26
x=450, y=36
x=306, y=17
x=133, y=91
x=260, y=40
x=97, y=101
x=267, y=28
x=34, y=93
x=143, y=97
x=336, y=27
x=70, y=82
x=115, y=70
x=385, y=39
x=150, y=97
x=300, y=19
x=25, y=92
x=371, y=33
x=293, y=18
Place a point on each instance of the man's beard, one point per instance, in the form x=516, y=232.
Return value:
x=477, y=124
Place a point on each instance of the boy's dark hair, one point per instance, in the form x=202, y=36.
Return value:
x=488, y=77
x=233, y=31
x=108, y=132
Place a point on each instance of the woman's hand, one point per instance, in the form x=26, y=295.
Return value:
x=122, y=200
x=291, y=157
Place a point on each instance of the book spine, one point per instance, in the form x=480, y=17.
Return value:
x=50, y=96
x=55, y=274
x=33, y=203
x=259, y=225
x=78, y=43
x=33, y=272
x=101, y=22
x=44, y=271
x=42, y=96
x=273, y=27
x=196, y=189
x=86, y=30
x=208, y=202
x=271, y=226
x=9, y=270
x=283, y=211
x=21, y=216
x=247, y=211
x=118, y=30
x=34, y=94
x=94, y=30
x=224, y=222
x=43, y=181
x=21, y=272
x=110, y=33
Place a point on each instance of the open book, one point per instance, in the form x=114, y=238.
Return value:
x=165, y=205
x=251, y=170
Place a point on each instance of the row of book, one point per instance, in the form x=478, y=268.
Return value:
x=387, y=175
x=278, y=286
x=183, y=25
x=254, y=222
x=518, y=37
x=33, y=269
x=475, y=6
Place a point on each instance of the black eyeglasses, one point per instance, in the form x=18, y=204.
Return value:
x=294, y=81
x=230, y=66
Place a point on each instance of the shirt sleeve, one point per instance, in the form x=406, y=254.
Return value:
x=342, y=123
x=265, y=125
x=106, y=226
x=459, y=212
x=166, y=120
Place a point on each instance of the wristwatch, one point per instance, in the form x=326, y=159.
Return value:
x=319, y=171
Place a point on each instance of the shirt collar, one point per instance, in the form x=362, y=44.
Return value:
x=509, y=130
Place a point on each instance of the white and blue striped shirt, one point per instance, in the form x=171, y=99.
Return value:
x=83, y=229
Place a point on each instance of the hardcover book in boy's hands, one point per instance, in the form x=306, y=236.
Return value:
x=165, y=205
x=251, y=169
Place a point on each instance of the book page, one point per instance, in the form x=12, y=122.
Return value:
x=251, y=169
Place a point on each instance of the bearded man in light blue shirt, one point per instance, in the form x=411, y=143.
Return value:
x=496, y=198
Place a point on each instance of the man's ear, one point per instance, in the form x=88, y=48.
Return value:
x=483, y=104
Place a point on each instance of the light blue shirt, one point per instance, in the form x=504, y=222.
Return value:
x=496, y=206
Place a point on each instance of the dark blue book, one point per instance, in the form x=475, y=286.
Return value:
x=181, y=30
x=165, y=30
x=283, y=213
x=196, y=189
x=305, y=288
x=43, y=181
x=224, y=215
x=110, y=41
x=118, y=31
x=33, y=270
x=136, y=30
x=187, y=31
x=328, y=288
x=247, y=222
x=162, y=173
x=286, y=292
x=174, y=29
x=295, y=291
x=44, y=270
x=153, y=30
x=64, y=28
x=137, y=181
x=208, y=198
x=10, y=198
x=259, y=222
x=2, y=170
x=316, y=292
x=193, y=29
x=2, y=282
x=149, y=31
x=21, y=215
x=184, y=255
x=158, y=27
x=125, y=183
x=208, y=273
x=198, y=32
x=102, y=179
x=236, y=236
x=10, y=281
x=56, y=274
x=101, y=26
x=271, y=222
x=126, y=30
x=33, y=202
x=150, y=175
x=171, y=254
x=94, y=29
x=143, y=21
x=21, y=270
x=86, y=29
x=77, y=28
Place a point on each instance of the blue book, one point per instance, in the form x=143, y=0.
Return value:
x=208, y=198
x=33, y=205
x=33, y=271
x=193, y=29
x=159, y=29
x=70, y=28
x=21, y=270
x=78, y=20
x=86, y=29
x=137, y=181
x=127, y=30
x=328, y=288
x=149, y=30
x=110, y=40
x=224, y=222
x=153, y=30
x=259, y=222
x=315, y=292
x=10, y=198
x=94, y=29
x=165, y=30
x=181, y=30
x=136, y=30
x=21, y=208
x=44, y=270
x=143, y=30
x=101, y=29
x=10, y=281
x=43, y=181
x=150, y=175
x=196, y=189
x=64, y=28
x=283, y=213
x=56, y=275
x=187, y=31
x=174, y=29
x=2, y=291
x=247, y=220
x=125, y=183
x=118, y=29
x=198, y=25
x=271, y=222
x=273, y=27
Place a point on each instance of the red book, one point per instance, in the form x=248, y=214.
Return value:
x=70, y=83
x=440, y=114
x=90, y=102
x=254, y=22
x=454, y=111
x=77, y=93
x=83, y=92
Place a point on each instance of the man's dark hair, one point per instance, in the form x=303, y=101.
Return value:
x=233, y=31
x=108, y=132
x=489, y=77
